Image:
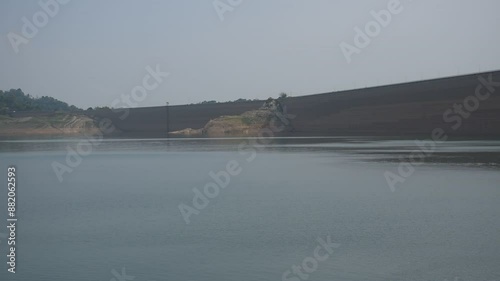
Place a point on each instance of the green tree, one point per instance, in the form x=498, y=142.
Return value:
x=16, y=100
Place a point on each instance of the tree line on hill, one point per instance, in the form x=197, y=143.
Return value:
x=281, y=97
x=15, y=100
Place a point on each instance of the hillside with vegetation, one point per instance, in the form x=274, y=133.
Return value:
x=22, y=115
x=16, y=100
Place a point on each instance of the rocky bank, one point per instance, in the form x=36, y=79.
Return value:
x=57, y=124
x=249, y=124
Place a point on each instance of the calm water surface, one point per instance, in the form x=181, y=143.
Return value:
x=118, y=209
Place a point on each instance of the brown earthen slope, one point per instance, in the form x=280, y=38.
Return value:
x=404, y=109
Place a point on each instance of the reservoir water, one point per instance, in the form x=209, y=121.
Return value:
x=115, y=215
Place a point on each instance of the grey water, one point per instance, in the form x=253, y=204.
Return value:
x=116, y=210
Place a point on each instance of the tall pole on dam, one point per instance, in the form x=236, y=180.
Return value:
x=168, y=119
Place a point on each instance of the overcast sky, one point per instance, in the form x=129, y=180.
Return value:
x=92, y=52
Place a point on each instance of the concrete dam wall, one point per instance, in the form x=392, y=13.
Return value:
x=415, y=108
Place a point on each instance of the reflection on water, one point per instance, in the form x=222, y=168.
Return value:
x=118, y=208
x=485, y=153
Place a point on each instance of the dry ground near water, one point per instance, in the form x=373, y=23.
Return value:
x=54, y=125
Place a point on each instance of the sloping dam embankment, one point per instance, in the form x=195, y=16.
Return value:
x=415, y=108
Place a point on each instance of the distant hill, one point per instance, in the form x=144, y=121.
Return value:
x=16, y=100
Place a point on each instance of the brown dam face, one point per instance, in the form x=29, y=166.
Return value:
x=404, y=109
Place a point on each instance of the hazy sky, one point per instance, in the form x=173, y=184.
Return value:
x=92, y=52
